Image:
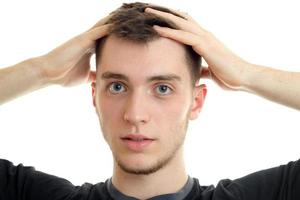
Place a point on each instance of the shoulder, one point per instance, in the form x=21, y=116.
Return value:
x=27, y=181
x=271, y=183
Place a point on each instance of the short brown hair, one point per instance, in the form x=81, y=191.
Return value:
x=130, y=22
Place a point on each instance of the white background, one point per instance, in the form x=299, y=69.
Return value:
x=56, y=129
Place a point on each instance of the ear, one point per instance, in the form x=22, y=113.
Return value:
x=93, y=92
x=199, y=95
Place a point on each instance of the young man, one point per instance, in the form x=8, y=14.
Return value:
x=145, y=91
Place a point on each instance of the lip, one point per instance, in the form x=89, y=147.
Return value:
x=137, y=142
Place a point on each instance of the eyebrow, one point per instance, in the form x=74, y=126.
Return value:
x=164, y=77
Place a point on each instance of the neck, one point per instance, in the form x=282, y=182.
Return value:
x=169, y=179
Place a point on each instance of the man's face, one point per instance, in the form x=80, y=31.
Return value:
x=144, y=99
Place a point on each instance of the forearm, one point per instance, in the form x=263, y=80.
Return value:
x=20, y=79
x=276, y=85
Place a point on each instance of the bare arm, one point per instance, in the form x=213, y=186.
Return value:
x=66, y=65
x=229, y=70
x=20, y=79
x=276, y=85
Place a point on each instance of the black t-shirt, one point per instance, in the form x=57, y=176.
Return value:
x=25, y=183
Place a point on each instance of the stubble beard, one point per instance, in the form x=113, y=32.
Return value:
x=159, y=164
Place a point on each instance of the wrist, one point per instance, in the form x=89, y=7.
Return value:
x=251, y=77
x=37, y=67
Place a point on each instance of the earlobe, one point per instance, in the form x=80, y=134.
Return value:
x=198, y=101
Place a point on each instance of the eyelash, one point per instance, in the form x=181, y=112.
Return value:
x=108, y=87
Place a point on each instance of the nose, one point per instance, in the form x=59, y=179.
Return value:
x=136, y=111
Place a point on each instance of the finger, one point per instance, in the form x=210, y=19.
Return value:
x=183, y=24
x=98, y=32
x=92, y=77
x=177, y=20
x=183, y=14
x=178, y=35
x=101, y=22
x=176, y=12
x=165, y=15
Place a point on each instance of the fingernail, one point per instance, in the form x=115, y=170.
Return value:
x=148, y=9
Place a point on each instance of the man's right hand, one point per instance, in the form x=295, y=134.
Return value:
x=69, y=64
x=66, y=65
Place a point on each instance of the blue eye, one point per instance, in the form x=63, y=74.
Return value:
x=116, y=88
x=163, y=89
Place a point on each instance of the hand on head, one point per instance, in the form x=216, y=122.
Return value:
x=69, y=64
x=224, y=67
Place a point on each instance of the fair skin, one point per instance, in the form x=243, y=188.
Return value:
x=140, y=106
x=66, y=65
x=227, y=69
x=69, y=65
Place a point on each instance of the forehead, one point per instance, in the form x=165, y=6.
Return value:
x=141, y=60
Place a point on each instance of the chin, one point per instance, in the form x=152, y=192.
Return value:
x=138, y=169
x=140, y=164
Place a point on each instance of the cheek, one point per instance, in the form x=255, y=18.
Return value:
x=110, y=112
x=171, y=124
x=173, y=115
x=179, y=108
